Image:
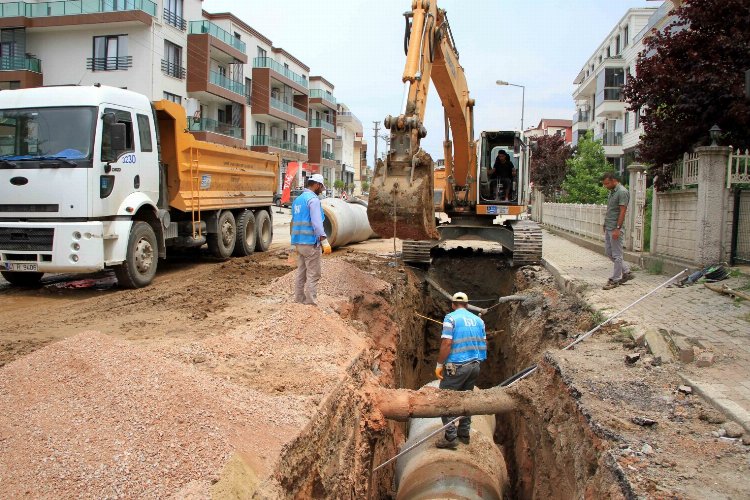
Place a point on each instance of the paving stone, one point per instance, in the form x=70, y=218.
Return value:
x=733, y=430
x=705, y=359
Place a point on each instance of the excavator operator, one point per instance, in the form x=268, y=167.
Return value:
x=503, y=173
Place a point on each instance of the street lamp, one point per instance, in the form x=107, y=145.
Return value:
x=523, y=98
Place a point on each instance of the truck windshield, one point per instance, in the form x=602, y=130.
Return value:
x=42, y=133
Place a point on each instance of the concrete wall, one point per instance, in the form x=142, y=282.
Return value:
x=676, y=225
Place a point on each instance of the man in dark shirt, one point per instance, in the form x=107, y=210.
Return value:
x=503, y=171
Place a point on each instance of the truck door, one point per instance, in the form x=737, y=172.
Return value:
x=118, y=173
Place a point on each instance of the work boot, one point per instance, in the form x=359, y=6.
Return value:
x=610, y=284
x=464, y=439
x=627, y=277
x=444, y=443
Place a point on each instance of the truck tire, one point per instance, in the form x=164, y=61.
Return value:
x=221, y=243
x=22, y=279
x=263, y=231
x=141, y=259
x=246, y=236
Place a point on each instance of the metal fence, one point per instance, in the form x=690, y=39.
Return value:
x=580, y=219
x=738, y=168
x=741, y=228
x=685, y=172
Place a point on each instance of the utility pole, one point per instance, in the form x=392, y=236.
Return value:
x=377, y=129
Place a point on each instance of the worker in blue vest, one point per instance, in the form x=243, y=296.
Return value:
x=308, y=238
x=463, y=346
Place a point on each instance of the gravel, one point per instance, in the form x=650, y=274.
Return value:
x=338, y=279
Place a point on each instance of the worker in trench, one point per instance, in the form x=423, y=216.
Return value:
x=308, y=238
x=463, y=347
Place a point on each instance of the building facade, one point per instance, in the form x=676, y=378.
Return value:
x=551, y=126
x=237, y=88
x=348, y=129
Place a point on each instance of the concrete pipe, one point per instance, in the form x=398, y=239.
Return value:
x=474, y=471
x=345, y=222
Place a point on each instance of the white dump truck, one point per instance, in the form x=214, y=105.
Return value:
x=99, y=177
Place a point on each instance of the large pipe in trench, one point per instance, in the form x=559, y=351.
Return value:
x=473, y=471
x=345, y=222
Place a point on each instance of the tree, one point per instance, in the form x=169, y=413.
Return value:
x=583, y=183
x=690, y=77
x=338, y=184
x=549, y=163
x=365, y=186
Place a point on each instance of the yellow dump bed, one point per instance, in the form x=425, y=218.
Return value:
x=207, y=176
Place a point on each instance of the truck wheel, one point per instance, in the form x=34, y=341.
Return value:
x=245, y=244
x=22, y=279
x=263, y=231
x=221, y=243
x=141, y=258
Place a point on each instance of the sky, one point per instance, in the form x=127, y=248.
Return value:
x=358, y=46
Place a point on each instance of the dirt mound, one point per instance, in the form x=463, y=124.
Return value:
x=338, y=279
x=92, y=416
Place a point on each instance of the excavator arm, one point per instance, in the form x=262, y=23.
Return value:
x=401, y=196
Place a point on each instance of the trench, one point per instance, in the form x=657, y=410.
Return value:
x=549, y=447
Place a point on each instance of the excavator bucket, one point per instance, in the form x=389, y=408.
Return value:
x=401, y=201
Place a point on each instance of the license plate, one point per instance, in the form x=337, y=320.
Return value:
x=20, y=267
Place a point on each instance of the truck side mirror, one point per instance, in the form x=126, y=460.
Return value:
x=117, y=142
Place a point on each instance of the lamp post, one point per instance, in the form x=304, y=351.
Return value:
x=523, y=98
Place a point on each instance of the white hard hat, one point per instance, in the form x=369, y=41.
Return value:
x=317, y=178
x=459, y=297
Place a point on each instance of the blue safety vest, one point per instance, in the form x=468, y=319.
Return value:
x=468, y=335
x=302, y=228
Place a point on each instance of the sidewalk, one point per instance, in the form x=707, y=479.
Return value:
x=703, y=317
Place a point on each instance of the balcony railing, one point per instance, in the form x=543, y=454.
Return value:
x=267, y=62
x=211, y=125
x=612, y=139
x=318, y=123
x=581, y=116
x=288, y=108
x=20, y=63
x=227, y=83
x=172, y=69
x=328, y=155
x=200, y=27
x=174, y=20
x=275, y=142
x=609, y=94
x=322, y=94
x=73, y=7
x=109, y=63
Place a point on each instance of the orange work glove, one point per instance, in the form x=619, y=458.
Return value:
x=439, y=371
x=326, y=247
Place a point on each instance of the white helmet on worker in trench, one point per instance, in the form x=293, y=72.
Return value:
x=318, y=178
x=460, y=297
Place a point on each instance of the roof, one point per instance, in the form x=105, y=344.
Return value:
x=279, y=50
x=321, y=79
x=554, y=122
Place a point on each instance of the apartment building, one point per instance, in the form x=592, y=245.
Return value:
x=551, y=126
x=361, y=172
x=238, y=89
x=598, y=92
x=348, y=128
x=322, y=131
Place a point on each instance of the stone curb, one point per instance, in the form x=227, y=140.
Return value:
x=564, y=281
x=725, y=405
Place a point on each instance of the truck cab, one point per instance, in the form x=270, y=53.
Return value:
x=76, y=164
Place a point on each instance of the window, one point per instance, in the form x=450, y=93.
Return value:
x=222, y=71
x=120, y=117
x=609, y=52
x=172, y=97
x=144, y=133
x=626, y=36
x=637, y=123
x=617, y=44
x=248, y=89
x=173, y=13
x=262, y=52
x=302, y=139
x=10, y=85
x=110, y=53
x=260, y=128
x=172, y=62
x=627, y=122
x=222, y=114
x=237, y=36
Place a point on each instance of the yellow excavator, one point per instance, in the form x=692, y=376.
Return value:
x=406, y=192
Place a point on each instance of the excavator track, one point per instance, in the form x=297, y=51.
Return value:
x=527, y=242
x=417, y=252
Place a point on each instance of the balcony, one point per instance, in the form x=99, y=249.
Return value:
x=611, y=139
x=174, y=20
x=172, y=69
x=109, y=63
x=288, y=109
x=275, y=142
x=74, y=7
x=322, y=94
x=581, y=117
x=273, y=65
x=207, y=27
x=20, y=64
x=322, y=124
x=211, y=125
x=226, y=83
x=328, y=155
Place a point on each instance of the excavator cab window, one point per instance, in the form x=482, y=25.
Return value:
x=501, y=186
